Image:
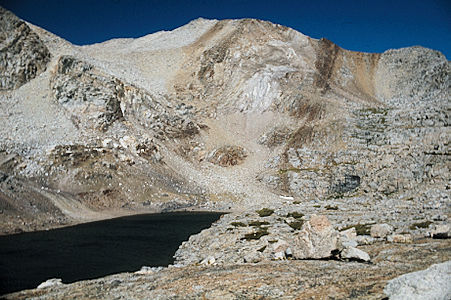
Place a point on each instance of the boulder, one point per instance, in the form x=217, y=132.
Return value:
x=279, y=255
x=107, y=143
x=381, y=230
x=316, y=239
x=148, y=270
x=50, y=282
x=208, y=261
x=432, y=283
x=442, y=231
x=364, y=240
x=253, y=257
x=227, y=156
x=352, y=253
x=348, y=238
x=280, y=246
x=128, y=142
x=400, y=238
x=288, y=252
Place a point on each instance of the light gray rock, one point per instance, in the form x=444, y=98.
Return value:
x=347, y=238
x=279, y=255
x=208, y=261
x=317, y=239
x=148, y=270
x=288, y=252
x=253, y=257
x=50, y=282
x=354, y=254
x=441, y=231
x=400, y=238
x=280, y=246
x=381, y=230
x=364, y=240
x=432, y=283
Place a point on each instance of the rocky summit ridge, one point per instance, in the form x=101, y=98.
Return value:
x=315, y=152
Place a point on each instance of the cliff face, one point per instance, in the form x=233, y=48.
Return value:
x=23, y=55
x=215, y=115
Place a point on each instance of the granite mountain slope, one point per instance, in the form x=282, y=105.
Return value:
x=150, y=123
x=230, y=115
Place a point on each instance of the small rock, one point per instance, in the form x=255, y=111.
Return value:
x=280, y=246
x=381, y=230
x=115, y=283
x=50, y=282
x=400, y=238
x=128, y=142
x=440, y=232
x=148, y=270
x=253, y=257
x=354, y=254
x=439, y=217
x=107, y=143
x=347, y=238
x=288, y=252
x=279, y=255
x=364, y=240
x=432, y=283
x=208, y=261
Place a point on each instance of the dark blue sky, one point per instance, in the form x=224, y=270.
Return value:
x=360, y=25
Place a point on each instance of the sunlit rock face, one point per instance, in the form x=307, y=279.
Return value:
x=221, y=115
x=309, y=146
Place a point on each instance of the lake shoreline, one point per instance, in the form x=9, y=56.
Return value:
x=102, y=216
x=96, y=249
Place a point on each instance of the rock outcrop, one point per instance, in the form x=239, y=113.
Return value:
x=23, y=55
x=432, y=283
x=234, y=239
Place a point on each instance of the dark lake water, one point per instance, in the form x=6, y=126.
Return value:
x=95, y=249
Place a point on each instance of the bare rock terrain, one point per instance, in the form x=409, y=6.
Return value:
x=333, y=165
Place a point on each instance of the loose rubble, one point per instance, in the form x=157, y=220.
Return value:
x=234, y=240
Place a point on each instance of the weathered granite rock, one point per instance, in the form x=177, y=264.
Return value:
x=353, y=253
x=399, y=76
x=317, y=239
x=348, y=238
x=381, y=230
x=441, y=231
x=208, y=261
x=400, y=238
x=148, y=270
x=365, y=240
x=50, y=283
x=23, y=55
x=267, y=238
x=432, y=283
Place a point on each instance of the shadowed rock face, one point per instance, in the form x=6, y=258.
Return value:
x=23, y=55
